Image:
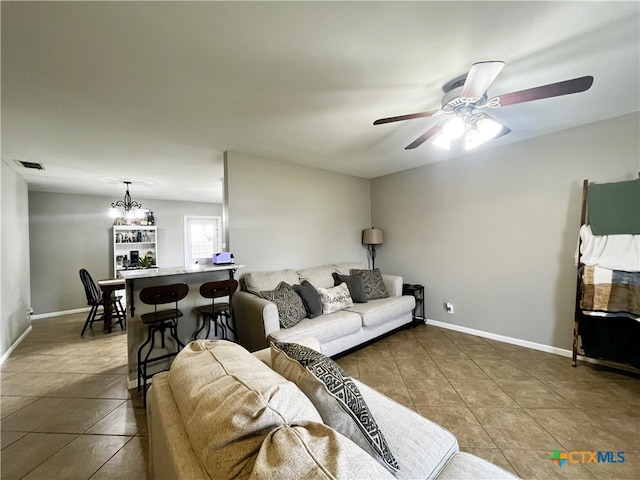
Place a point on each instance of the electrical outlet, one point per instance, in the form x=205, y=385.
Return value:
x=448, y=307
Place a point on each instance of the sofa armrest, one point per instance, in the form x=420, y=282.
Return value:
x=171, y=456
x=255, y=319
x=393, y=284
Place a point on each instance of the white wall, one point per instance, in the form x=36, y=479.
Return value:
x=14, y=263
x=69, y=232
x=290, y=216
x=494, y=232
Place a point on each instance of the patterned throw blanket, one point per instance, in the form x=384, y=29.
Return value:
x=610, y=292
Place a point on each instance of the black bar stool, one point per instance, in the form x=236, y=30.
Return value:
x=217, y=311
x=159, y=321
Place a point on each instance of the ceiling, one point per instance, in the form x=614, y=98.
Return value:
x=155, y=92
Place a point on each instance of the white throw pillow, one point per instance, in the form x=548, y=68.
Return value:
x=335, y=298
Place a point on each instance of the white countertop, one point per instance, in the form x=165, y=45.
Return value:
x=166, y=271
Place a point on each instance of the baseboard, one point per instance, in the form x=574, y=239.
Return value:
x=533, y=345
x=15, y=344
x=59, y=314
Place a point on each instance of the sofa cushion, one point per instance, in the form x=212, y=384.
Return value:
x=423, y=452
x=335, y=395
x=313, y=450
x=229, y=401
x=335, y=299
x=290, y=307
x=344, y=268
x=373, y=283
x=381, y=310
x=319, y=277
x=256, y=282
x=325, y=327
x=355, y=286
x=310, y=297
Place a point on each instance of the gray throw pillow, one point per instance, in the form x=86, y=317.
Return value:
x=290, y=307
x=310, y=298
x=355, y=286
x=373, y=283
x=336, y=397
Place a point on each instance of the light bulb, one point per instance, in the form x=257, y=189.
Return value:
x=114, y=212
x=442, y=141
x=454, y=128
x=488, y=128
x=472, y=139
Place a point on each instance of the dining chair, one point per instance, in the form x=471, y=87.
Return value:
x=95, y=300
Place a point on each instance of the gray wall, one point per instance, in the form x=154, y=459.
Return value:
x=14, y=261
x=494, y=233
x=69, y=232
x=289, y=216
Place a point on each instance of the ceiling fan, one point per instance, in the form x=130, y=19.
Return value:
x=466, y=97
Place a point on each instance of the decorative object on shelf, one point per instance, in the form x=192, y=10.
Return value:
x=372, y=237
x=127, y=208
x=145, y=262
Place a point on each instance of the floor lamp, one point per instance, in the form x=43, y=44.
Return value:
x=372, y=237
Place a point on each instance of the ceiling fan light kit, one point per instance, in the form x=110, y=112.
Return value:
x=475, y=128
x=466, y=94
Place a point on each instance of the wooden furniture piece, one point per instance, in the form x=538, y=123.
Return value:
x=140, y=239
x=159, y=321
x=96, y=300
x=108, y=288
x=219, y=313
x=417, y=291
x=608, y=334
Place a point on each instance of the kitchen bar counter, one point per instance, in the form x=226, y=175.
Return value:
x=168, y=271
x=193, y=276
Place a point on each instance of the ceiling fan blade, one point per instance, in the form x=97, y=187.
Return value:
x=575, y=85
x=481, y=75
x=409, y=116
x=424, y=137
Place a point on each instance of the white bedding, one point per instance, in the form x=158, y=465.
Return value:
x=615, y=252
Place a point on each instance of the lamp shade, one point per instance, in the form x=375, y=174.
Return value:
x=372, y=236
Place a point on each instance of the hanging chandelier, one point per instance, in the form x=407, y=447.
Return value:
x=126, y=208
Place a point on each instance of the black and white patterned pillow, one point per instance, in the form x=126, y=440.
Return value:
x=373, y=283
x=335, y=396
x=291, y=309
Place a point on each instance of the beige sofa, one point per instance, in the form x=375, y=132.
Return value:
x=257, y=319
x=221, y=412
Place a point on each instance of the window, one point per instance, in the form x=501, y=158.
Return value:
x=202, y=238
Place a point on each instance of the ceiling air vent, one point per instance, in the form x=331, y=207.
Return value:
x=32, y=165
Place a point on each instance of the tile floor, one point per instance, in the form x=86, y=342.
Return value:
x=66, y=412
